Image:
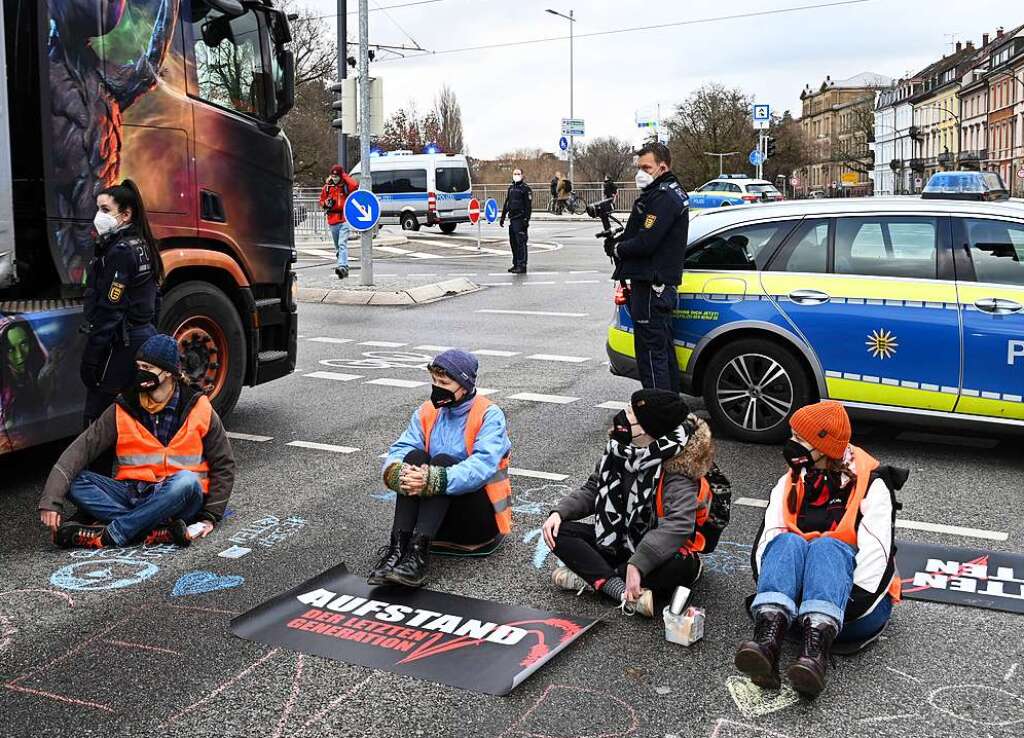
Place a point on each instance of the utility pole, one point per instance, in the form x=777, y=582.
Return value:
x=760, y=148
x=572, y=22
x=342, y=74
x=365, y=177
x=720, y=158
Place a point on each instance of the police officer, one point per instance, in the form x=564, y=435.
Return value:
x=122, y=295
x=650, y=255
x=518, y=208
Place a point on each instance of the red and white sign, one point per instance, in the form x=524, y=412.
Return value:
x=474, y=211
x=1020, y=173
x=794, y=182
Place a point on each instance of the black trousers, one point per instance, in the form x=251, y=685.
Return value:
x=576, y=547
x=517, y=237
x=119, y=373
x=652, y=335
x=464, y=520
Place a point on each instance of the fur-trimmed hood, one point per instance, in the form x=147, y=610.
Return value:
x=697, y=456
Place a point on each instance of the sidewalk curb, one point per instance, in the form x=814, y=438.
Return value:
x=420, y=295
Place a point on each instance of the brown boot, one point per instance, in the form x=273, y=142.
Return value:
x=807, y=673
x=759, y=658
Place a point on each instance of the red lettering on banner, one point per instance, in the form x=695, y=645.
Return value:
x=296, y=623
x=312, y=613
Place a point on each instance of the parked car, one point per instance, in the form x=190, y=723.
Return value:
x=733, y=190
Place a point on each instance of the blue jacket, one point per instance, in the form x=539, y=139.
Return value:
x=449, y=437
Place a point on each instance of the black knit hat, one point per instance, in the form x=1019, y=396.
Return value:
x=659, y=411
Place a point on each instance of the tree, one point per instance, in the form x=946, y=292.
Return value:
x=449, y=117
x=850, y=144
x=603, y=157
x=401, y=131
x=316, y=52
x=791, y=147
x=714, y=119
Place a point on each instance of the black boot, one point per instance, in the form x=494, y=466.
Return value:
x=411, y=570
x=759, y=658
x=389, y=556
x=807, y=673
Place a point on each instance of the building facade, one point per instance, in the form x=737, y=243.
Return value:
x=894, y=116
x=1005, y=88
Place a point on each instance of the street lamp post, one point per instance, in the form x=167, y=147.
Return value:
x=572, y=22
x=720, y=158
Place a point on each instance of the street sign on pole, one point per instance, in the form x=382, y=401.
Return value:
x=573, y=127
x=762, y=115
x=918, y=181
x=491, y=210
x=756, y=158
x=366, y=174
x=1020, y=173
x=474, y=211
x=362, y=210
x=794, y=182
x=563, y=143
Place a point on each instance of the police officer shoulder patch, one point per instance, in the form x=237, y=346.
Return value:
x=649, y=221
x=116, y=292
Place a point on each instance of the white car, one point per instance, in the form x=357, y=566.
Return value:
x=733, y=190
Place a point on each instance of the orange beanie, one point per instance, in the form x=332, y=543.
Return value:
x=825, y=425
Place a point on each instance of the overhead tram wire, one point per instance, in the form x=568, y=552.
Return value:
x=380, y=9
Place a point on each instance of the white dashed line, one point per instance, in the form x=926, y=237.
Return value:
x=462, y=274
x=586, y=271
x=493, y=352
x=496, y=284
x=323, y=447
x=616, y=405
x=486, y=391
x=534, y=283
x=750, y=502
x=431, y=347
x=423, y=274
x=404, y=383
x=583, y=281
x=534, y=312
x=537, y=474
x=556, y=357
x=328, y=339
x=336, y=376
x=382, y=344
x=248, y=437
x=534, y=397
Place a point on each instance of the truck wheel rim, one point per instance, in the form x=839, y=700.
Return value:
x=755, y=392
x=204, y=353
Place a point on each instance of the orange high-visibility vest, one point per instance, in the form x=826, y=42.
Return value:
x=846, y=531
x=697, y=542
x=140, y=457
x=498, y=487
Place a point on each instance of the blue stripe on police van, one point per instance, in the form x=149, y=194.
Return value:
x=403, y=196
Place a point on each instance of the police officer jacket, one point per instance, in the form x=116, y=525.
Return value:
x=121, y=292
x=518, y=202
x=654, y=243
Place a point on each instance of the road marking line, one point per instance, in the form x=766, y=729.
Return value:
x=585, y=271
x=486, y=391
x=583, y=281
x=556, y=357
x=492, y=352
x=323, y=447
x=548, y=476
x=534, y=312
x=952, y=530
x=496, y=284
x=392, y=250
x=422, y=274
x=497, y=274
x=328, y=339
x=534, y=397
x=404, y=383
x=614, y=405
x=430, y=347
x=536, y=282
x=248, y=437
x=322, y=253
x=462, y=274
x=336, y=376
x=383, y=344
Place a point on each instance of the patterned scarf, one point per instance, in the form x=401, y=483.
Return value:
x=625, y=512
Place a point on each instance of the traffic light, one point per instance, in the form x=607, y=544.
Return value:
x=769, y=147
x=345, y=106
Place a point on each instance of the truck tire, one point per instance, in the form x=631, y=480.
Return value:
x=409, y=222
x=752, y=386
x=211, y=339
x=447, y=227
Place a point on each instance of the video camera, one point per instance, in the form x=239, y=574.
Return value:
x=613, y=228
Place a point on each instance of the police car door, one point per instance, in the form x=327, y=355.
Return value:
x=990, y=272
x=874, y=297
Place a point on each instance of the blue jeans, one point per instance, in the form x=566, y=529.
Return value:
x=132, y=509
x=339, y=232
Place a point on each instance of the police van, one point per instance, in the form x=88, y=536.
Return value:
x=421, y=189
x=899, y=308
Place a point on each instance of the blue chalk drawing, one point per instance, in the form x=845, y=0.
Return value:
x=384, y=495
x=99, y=574
x=540, y=554
x=198, y=582
x=728, y=558
x=539, y=500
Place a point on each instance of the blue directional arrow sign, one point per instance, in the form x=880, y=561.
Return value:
x=362, y=210
x=756, y=158
x=491, y=210
x=563, y=143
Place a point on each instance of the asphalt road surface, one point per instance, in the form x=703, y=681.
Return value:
x=142, y=660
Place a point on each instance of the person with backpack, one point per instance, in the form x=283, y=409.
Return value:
x=332, y=201
x=652, y=500
x=824, y=557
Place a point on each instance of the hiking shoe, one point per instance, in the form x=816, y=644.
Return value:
x=76, y=535
x=175, y=532
x=565, y=578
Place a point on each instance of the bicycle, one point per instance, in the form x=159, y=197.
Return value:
x=573, y=204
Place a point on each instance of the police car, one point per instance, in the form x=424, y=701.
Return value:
x=898, y=307
x=733, y=189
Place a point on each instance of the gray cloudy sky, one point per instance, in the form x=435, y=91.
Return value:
x=515, y=97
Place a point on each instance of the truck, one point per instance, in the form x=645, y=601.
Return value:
x=185, y=97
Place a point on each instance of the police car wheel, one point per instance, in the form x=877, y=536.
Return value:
x=409, y=222
x=751, y=387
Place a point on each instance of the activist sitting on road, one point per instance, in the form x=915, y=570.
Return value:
x=824, y=555
x=173, y=463
x=450, y=472
x=652, y=507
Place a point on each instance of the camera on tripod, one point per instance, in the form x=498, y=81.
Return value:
x=602, y=210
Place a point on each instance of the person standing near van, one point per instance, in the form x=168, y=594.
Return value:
x=518, y=208
x=332, y=200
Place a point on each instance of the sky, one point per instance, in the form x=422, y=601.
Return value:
x=514, y=97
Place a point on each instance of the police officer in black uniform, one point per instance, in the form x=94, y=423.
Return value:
x=518, y=208
x=122, y=295
x=650, y=254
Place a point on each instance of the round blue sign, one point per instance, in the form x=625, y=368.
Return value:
x=756, y=158
x=362, y=210
x=491, y=210
x=563, y=143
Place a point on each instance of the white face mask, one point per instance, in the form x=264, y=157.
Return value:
x=105, y=222
x=643, y=179
x=517, y=178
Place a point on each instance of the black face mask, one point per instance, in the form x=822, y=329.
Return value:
x=797, y=456
x=622, y=429
x=146, y=381
x=441, y=397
